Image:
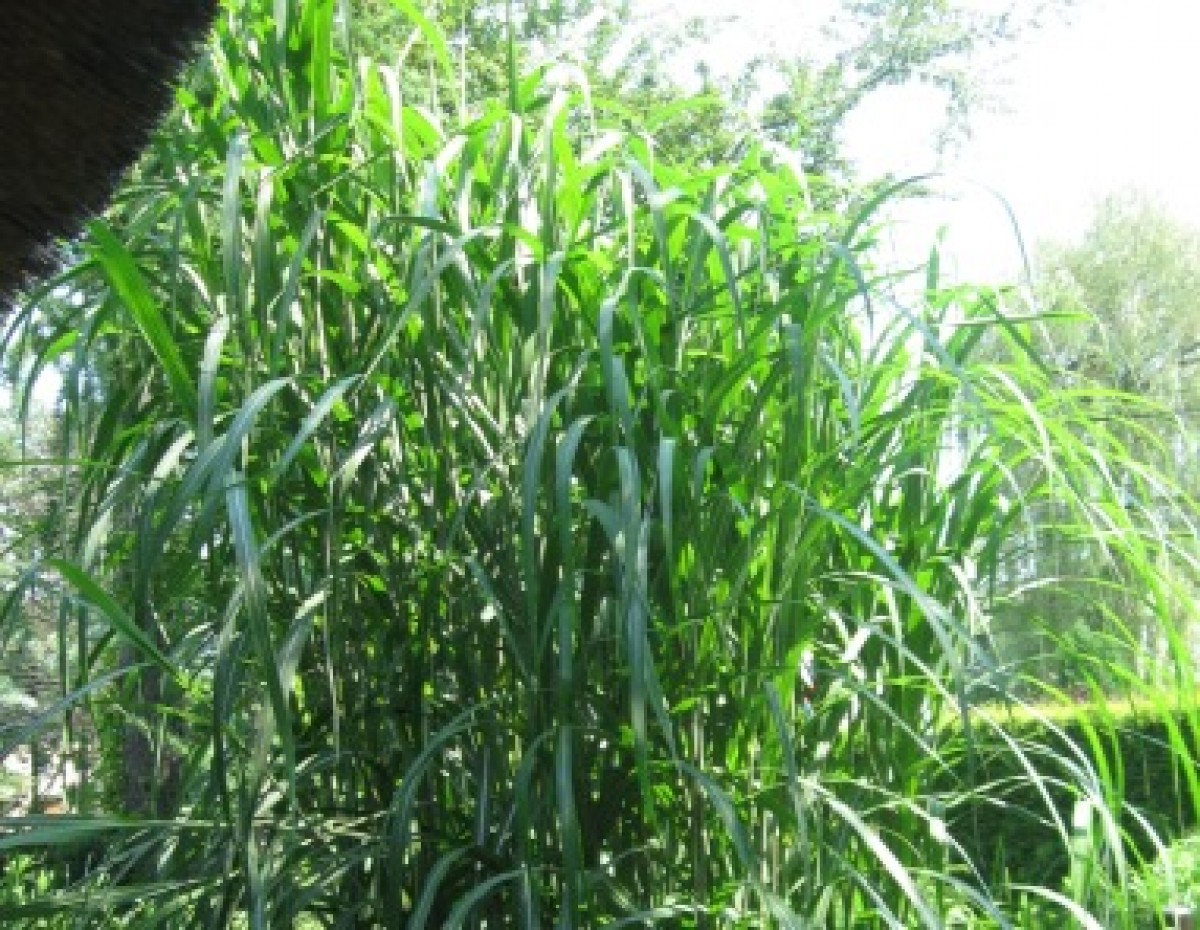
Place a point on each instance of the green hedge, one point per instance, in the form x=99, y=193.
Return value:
x=1140, y=763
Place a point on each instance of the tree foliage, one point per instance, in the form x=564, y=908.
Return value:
x=32, y=513
x=872, y=45
x=798, y=95
x=1134, y=280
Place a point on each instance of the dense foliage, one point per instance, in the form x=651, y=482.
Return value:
x=495, y=526
x=708, y=81
x=1134, y=755
x=1131, y=283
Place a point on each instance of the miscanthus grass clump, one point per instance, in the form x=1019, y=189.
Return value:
x=492, y=526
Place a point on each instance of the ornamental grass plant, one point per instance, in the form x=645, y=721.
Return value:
x=488, y=525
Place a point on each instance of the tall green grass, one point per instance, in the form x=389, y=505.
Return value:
x=459, y=506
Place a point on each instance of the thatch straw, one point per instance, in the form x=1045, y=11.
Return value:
x=82, y=83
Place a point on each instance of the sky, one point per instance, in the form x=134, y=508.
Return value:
x=1110, y=100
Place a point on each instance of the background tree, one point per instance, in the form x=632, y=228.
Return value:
x=704, y=108
x=33, y=481
x=1121, y=326
x=1134, y=280
x=870, y=46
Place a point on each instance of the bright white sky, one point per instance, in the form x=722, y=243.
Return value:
x=1110, y=100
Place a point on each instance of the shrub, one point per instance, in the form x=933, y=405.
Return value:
x=1134, y=761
